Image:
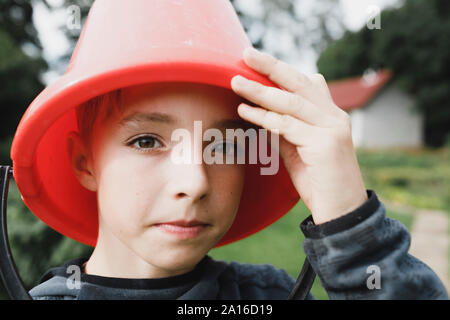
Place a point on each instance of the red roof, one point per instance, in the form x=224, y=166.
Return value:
x=356, y=92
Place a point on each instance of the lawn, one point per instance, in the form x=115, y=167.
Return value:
x=417, y=178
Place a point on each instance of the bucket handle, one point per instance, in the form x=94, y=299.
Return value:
x=8, y=270
x=304, y=282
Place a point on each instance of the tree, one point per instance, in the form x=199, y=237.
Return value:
x=20, y=67
x=414, y=43
x=34, y=245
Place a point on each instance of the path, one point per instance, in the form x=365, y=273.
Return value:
x=430, y=241
x=430, y=238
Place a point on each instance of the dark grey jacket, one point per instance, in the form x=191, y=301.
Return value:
x=362, y=255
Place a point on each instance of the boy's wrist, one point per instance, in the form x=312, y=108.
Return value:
x=340, y=206
x=342, y=223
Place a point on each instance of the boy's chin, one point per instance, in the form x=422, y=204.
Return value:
x=179, y=262
x=177, y=256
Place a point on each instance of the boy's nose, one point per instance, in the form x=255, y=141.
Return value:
x=190, y=179
x=191, y=182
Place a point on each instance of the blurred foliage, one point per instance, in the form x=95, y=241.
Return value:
x=36, y=247
x=414, y=42
x=16, y=20
x=20, y=64
x=5, y=147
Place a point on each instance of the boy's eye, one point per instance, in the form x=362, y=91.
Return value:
x=146, y=142
x=227, y=148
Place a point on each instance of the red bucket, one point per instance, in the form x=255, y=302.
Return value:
x=125, y=43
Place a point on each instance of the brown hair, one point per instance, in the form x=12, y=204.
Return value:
x=103, y=107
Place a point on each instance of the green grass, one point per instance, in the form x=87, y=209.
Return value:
x=405, y=218
x=417, y=178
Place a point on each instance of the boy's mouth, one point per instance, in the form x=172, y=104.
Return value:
x=184, y=223
x=183, y=229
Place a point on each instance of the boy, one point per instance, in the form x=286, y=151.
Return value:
x=158, y=219
x=147, y=249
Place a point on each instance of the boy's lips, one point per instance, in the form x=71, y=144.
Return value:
x=183, y=229
x=184, y=223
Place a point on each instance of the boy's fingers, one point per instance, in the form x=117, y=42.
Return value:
x=282, y=73
x=321, y=83
x=293, y=130
x=278, y=100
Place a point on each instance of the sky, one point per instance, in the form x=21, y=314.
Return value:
x=355, y=15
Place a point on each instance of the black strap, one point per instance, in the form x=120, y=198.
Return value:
x=8, y=271
x=304, y=282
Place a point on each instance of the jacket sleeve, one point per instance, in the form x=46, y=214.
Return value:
x=364, y=255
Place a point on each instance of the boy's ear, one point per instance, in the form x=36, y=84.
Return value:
x=80, y=161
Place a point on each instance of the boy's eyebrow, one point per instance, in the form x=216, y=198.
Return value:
x=140, y=117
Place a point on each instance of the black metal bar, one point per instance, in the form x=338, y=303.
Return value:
x=304, y=282
x=8, y=270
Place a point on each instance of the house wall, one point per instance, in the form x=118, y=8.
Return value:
x=387, y=121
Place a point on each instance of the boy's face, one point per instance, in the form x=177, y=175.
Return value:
x=142, y=192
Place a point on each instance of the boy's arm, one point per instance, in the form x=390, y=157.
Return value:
x=318, y=153
x=364, y=255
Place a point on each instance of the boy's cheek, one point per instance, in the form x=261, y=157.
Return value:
x=121, y=206
x=227, y=191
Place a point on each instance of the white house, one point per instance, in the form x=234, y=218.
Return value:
x=382, y=115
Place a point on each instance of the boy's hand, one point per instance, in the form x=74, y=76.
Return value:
x=315, y=135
